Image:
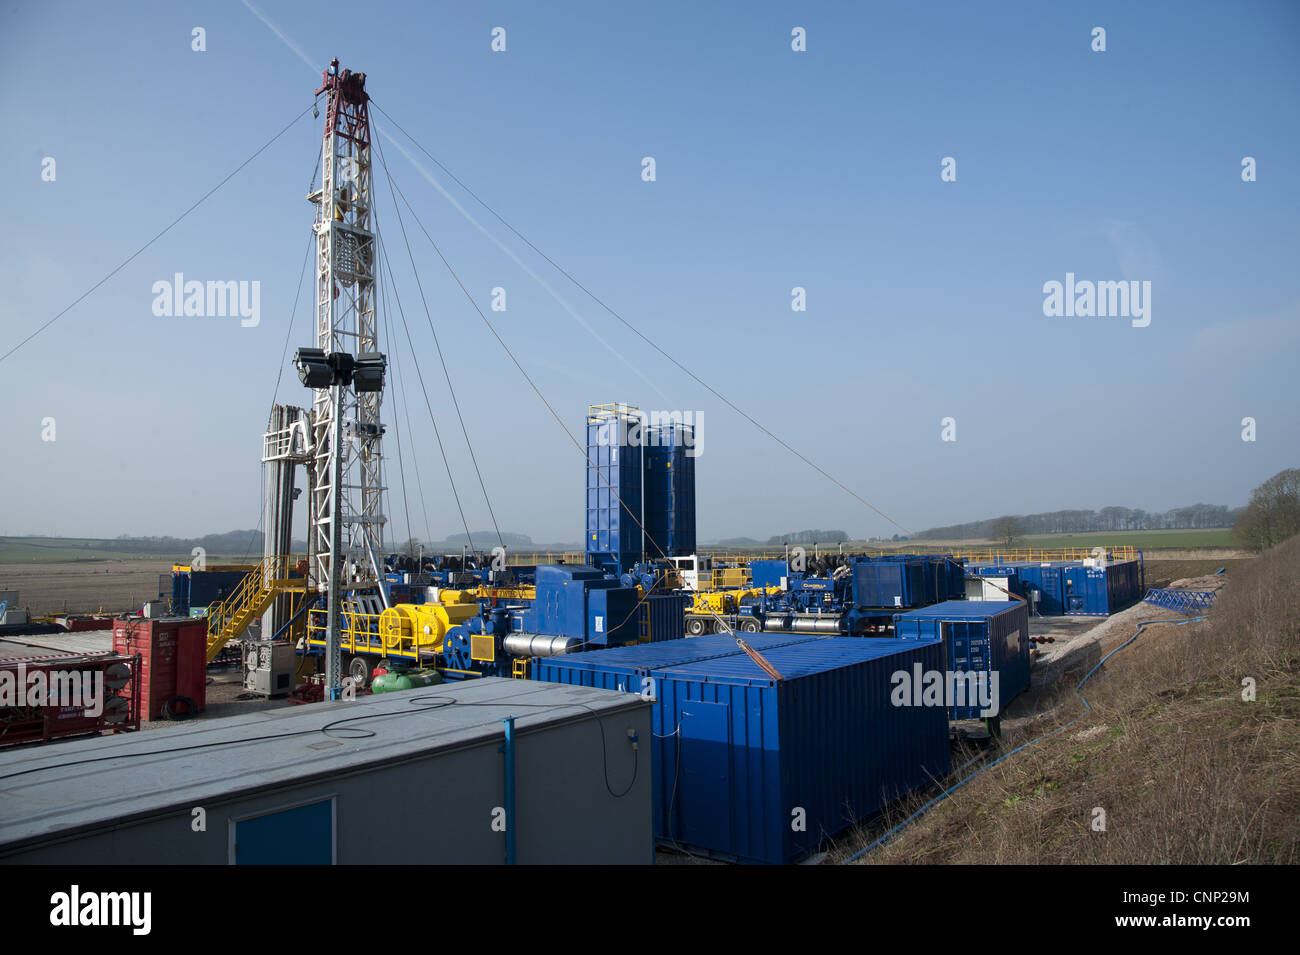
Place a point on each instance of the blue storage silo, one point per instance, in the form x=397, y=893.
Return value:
x=669, y=491
x=740, y=757
x=614, y=507
x=980, y=637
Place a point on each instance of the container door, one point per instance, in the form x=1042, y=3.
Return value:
x=303, y=835
x=705, y=794
x=1052, y=604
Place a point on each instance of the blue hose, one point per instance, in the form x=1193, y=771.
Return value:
x=1086, y=708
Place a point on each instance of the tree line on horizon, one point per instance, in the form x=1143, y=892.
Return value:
x=1195, y=517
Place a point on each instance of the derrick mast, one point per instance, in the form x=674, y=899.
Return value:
x=346, y=516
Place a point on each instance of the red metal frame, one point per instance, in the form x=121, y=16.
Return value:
x=40, y=724
x=348, y=113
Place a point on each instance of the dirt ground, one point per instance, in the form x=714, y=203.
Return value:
x=83, y=587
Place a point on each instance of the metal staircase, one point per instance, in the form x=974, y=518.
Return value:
x=273, y=577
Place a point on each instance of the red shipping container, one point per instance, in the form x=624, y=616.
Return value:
x=174, y=659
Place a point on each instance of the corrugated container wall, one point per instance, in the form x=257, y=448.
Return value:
x=664, y=617
x=740, y=757
x=670, y=491
x=614, y=537
x=173, y=652
x=888, y=583
x=980, y=637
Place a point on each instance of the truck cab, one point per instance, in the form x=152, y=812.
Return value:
x=692, y=569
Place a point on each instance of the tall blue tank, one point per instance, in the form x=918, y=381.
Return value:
x=614, y=510
x=670, y=491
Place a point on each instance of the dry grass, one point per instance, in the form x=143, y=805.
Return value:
x=1186, y=771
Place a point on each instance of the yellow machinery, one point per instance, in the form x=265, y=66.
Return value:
x=713, y=601
x=408, y=628
x=725, y=601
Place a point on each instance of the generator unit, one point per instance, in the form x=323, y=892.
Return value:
x=269, y=667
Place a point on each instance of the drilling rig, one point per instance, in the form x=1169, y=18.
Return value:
x=337, y=442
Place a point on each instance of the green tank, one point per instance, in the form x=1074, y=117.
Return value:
x=395, y=680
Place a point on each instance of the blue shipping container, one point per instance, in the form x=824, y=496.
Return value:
x=740, y=757
x=980, y=637
x=1096, y=591
x=1043, y=587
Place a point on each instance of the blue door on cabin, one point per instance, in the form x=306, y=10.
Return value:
x=303, y=835
x=705, y=795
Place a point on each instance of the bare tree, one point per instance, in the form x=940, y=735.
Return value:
x=1273, y=514
x=1006, y=530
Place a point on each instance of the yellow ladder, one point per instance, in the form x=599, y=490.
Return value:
x=519, y=669
x=254, y=595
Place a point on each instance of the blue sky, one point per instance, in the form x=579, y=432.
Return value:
x=775, y=169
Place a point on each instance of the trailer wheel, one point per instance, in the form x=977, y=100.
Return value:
x=694, y=627
x=750, y=626
x=361, y=671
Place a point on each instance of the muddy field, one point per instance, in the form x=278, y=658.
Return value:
x=84, y=586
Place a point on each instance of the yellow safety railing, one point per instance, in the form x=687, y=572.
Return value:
x=271, y=578
x=545, y=557
x=742, y=561
x=359, y=633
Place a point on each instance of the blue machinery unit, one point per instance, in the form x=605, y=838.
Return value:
x=576, y=608
x=858, y=596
